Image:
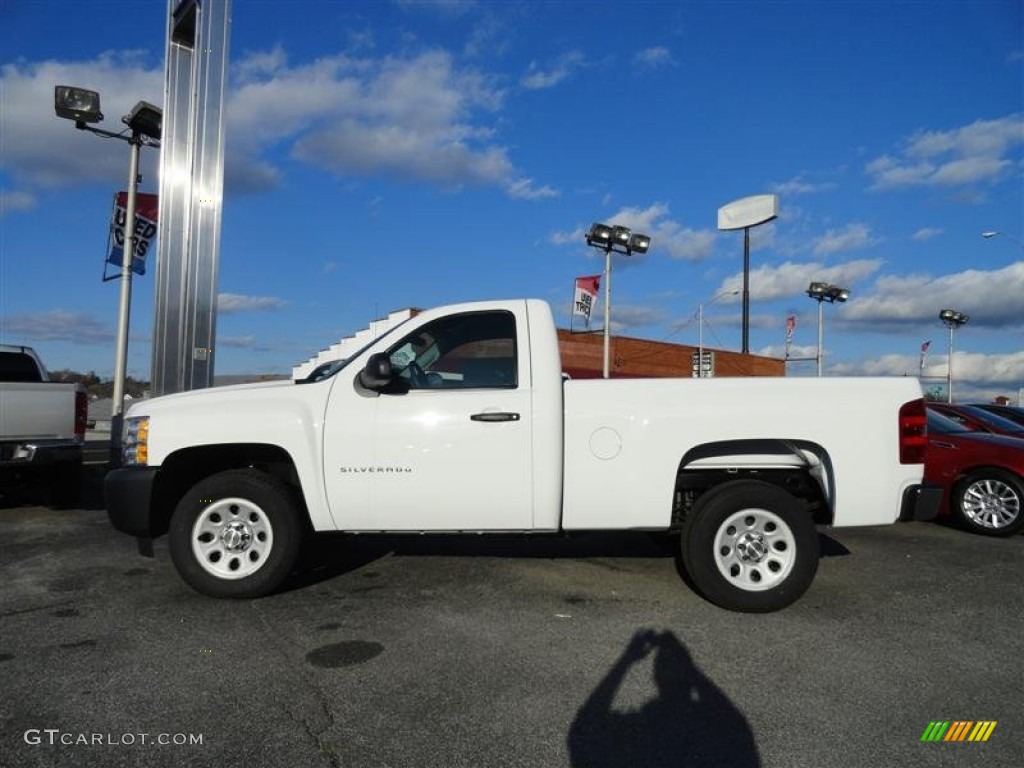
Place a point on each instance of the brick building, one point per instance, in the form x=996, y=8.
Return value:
x=583, y=358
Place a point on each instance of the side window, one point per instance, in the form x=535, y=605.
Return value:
x=469, y=351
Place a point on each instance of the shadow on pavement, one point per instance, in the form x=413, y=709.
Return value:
x=689, y=721
x=327, y=555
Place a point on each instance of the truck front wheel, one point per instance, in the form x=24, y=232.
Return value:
x=235, y=534
x=749, y=546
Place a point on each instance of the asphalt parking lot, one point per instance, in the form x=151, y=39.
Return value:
x=584, y=651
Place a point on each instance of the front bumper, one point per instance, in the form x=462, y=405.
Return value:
x=129, y=497
x=921, y=502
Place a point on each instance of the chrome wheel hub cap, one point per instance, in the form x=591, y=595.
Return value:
x=755, y=550
x=236, y=537
x=232, y=538
x=991, y=503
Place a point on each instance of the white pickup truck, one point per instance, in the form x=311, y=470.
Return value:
x=460, y=420
x=42, y=426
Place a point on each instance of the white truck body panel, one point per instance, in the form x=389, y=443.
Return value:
x=624, y=440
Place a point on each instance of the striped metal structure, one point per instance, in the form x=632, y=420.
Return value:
x=191, y=195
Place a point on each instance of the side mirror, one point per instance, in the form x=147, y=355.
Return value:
x=378, y=373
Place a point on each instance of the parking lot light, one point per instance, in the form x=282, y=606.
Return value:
x=822, y=292
x=952, y=319
x=616, y=239
x=145, y=123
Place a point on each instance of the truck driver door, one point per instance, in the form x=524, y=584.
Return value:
x=451, y=444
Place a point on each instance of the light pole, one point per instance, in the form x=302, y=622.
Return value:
x=952, y=320
x=822, y=292
x=988, y=235
x=618, y=240
x=83, y=106
x=700, y=333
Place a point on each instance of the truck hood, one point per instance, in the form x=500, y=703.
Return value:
x=231, y=393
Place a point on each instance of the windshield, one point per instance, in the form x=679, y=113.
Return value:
x=993, y=420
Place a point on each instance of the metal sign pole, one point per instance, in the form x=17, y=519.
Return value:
x=124, y=306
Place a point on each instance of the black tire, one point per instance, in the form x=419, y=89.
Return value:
x=749, y=546
x=989, y=502
x=236, y=534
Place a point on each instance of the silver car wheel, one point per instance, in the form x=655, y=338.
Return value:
x=755, y=550
x=232, y=538
x=991, y=503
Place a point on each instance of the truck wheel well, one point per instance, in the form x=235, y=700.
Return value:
x=183, y=469
x=782, y=463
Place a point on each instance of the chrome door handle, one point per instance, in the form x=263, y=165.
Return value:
x=494, y=416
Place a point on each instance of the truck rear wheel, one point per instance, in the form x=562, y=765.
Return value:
x=235, y=534
x=749, y=546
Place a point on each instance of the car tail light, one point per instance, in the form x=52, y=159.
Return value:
x=913, y=432
x=81, y=413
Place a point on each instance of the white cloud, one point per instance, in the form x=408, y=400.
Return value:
x=975, y=153
x=798, y=185
x=851, y=237
x=43, y=150
x=991, y=298
x=626, y=317
x=228, y=303
x=417, y=117
x=11, y=202
x=538, y=78
x=782, y=281
x=666, y=234
x=654, y=57
x=926, y=233
x=525, y=190
x=57, y=325
x=998, y=373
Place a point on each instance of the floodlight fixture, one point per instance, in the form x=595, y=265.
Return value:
x=827, y=292
x=620, y=238
x=838, y=294
x=617, y=238
x=145, y=119
x=817, y=290
x=952, y=318
x=639, y=243
x=599, y=236
x=78, y=104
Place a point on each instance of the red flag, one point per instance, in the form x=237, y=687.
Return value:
x=586, y=294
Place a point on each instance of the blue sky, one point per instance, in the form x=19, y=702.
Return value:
x=390, y=154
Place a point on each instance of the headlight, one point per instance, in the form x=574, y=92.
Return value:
x=135, y=444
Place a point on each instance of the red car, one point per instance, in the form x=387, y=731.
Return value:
x=981, y=475
x=979, y=419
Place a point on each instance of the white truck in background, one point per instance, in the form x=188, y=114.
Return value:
x=460, y=420
x=42, y=426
